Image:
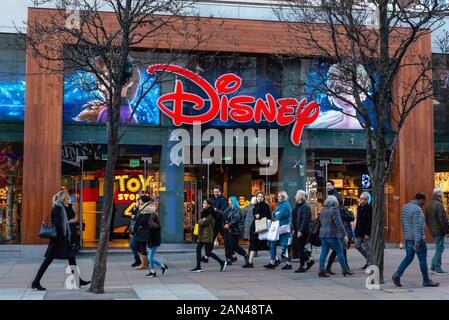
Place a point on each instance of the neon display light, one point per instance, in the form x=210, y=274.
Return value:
x=284, y=111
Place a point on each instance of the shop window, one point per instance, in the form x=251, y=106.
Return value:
x=11, y=168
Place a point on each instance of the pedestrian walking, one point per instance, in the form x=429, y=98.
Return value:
x=205, y=236
x=132, y=232
x=346, y=218
x=261, y=210
x=332, y=232
x=233, y=230
x=141, y=238
x=301, y=219
x=436, y=219
x=281, y=213
x=248, y=218
x=60, y=247
x=413, y=226
x=362, y=230
x=220, y=204
x=154, y=241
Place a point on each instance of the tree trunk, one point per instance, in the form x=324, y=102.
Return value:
x=9, y=206
x=99, y=273
x=377, y=225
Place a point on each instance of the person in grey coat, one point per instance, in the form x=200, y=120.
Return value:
x=248, y=218
x=414, y=230
x=436, y=219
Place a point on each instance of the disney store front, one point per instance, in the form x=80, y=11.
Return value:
x=76, y=156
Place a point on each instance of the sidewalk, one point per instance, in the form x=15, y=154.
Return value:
x=122, y=282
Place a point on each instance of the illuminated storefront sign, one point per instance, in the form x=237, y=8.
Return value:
x=129, y=188
x=239, y=108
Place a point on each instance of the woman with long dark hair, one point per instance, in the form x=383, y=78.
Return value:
x=60, y=247
x=206, y=236
x=261, y=210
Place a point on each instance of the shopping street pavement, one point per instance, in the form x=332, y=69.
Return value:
x=236, y=283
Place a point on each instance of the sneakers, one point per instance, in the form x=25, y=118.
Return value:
x=396, y=281
x=270, y=266
x=204, y=259
x=431, y=284
x=248, y=265
x=300, y=270
x=164, y=269
x=229, y=262
x=151, y=275
x=310, y=263
x=223, y=266
x=234, y=259
x=135, y=264
x=441, y=272
x=287, y=267
x=277, y=262
x=196, y=270
x=283, y=258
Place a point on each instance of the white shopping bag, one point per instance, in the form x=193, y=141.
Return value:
x=273, y=232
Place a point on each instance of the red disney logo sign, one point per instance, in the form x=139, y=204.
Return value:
x=241, y=109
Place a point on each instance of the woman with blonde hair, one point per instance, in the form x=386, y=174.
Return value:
x=283, y=214
x=60, y=247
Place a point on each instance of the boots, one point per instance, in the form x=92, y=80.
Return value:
x=347, y=272
x=323, y=274
x=36, y=282
x=137, y=262
x=144, y=264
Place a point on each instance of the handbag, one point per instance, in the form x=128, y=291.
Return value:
x=273, y=232
x=261, y=225
x=284, y=229
x=196, y=229
x=47, y=231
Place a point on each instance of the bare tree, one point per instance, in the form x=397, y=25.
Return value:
x=369, y=43
x=98, y=36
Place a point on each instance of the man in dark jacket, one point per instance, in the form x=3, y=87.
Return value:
x=436, y=219
x=220, y=204
x=331, y=191
x=363, y=228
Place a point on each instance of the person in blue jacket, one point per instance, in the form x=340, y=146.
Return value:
x=283, y=214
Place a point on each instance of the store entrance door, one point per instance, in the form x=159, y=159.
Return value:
x=193, y=199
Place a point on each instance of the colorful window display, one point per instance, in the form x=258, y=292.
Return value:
x=84, y=99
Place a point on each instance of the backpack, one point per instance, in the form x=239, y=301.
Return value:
x=315, y=234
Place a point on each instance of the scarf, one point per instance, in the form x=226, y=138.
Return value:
x=64, y=221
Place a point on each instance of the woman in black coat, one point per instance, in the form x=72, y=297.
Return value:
x=261, y=210
x=60, y=247
x=142, y=235
x=301, y=218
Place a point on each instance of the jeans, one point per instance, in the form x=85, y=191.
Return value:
x=132, y=245
x=334, y=255
x=153, y=261
x=335, y=244
x=439, y=248
x=363, y=246
x=273, y=247
x=421, y=252
x=209, y=253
